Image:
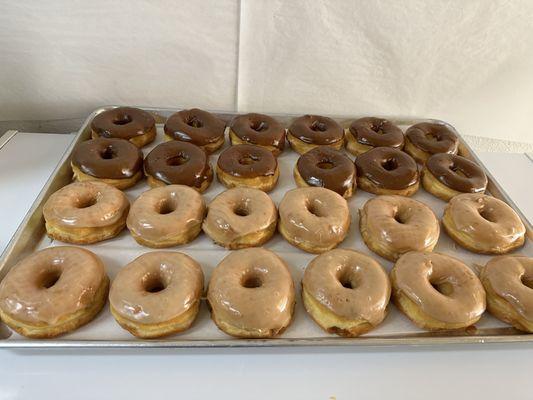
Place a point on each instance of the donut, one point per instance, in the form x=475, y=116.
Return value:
x=393, y=225
x=117, y=162
x=166, y=216
x=508, y=282
x=384, y=170
x=128, y=123
x=425, y=139
x=248, y=165
x=346, y=292
x=436, y=291
x=198, y=127
x=447, y=175
x=251, y=294
x=178, y=163
x=313, y=219
x=85, y=212
x=309, y=131
x=483, y=224
x=326, y=167
x=241, y=217
x=157, y=294
x=366, y=133
x=258, y=129
x=53, y=291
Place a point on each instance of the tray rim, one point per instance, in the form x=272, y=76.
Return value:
x=364, y=341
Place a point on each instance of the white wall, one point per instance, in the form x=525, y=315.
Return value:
x=468, y=62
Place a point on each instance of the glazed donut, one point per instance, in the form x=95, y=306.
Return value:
x=393, y=225
x=437, y=292
x=251, y=294
x=508, y=282
x=309, y=131
x=366, y=133
x=85, y=212
x=241, y=217
x=313, y=219
x=166, y=216
x=258, y=129
x=197, y=127
x=346, y=292
x=447, y=175
x=53, y=291
x=157, y=294
x=178, y=163
x=128, y=123
x=384, y=170
x=425, y=139
x=483, y=224
x=248, y=165
x=117, y=162
x=326, y=167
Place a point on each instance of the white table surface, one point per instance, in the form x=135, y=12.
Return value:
x=476, y=371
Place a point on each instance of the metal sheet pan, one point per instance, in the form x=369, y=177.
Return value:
x=104, y=332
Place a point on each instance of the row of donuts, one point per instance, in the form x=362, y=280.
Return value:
x=251, y=292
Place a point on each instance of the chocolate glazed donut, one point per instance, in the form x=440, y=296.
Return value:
x=369, y=132
x=309, y=131
x=424, y=139
x=385, y=170
x=178, y=163
x=258, y=129
x=198, y=127
x=326, y=167
x=128, y=123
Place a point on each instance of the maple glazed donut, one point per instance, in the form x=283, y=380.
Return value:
x=248, y=165
x=53, y=291
x=178, y=163
x=326, y=167
x=166, y=216
x=483, y=224
x=309, y=131
x=366, y=133
x=85, y=212
x=251, y=294
x=425, y=139
x=436, y=291
x=508, y=282
x=157, y=294
x=346, y=292
x=258, y=129
x=384, y=170
x=313, y=219
x=198, y=127
x=117, y=162
x=447, y=175
x=393, y=225
x=241, y=217
x=128, y=123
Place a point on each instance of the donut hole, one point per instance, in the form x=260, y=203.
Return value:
x=86, y=202
x=444, y=288
x=153, y=283
x=487, y=214
x=194, y=122
x=49, y=278
x=389, y=164
x=347, y=279
x=325, y=165
x=259, y=126
x=241, y=210
x=318, y=126
x=122, y=119
x=178, y=160
x=433, y=137
x=248, y=159
x=315, y=208
x=400, y=217
x=378, y=128
x=251, y=281
x=458, y=171
x=166, y=206
x=108, y=153
x=527, y=281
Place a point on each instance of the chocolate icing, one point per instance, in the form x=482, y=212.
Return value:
x=433, y=138
x=457, y=173
x=108, y=158
x=326, y=167
x=247, y=161
x=377, y=132
x=315, y=129
x=259, y=129
x=387, y=168
x=178, y=163
x=196, y=126
x=122, y=123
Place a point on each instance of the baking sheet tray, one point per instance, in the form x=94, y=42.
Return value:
x=116, y=253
